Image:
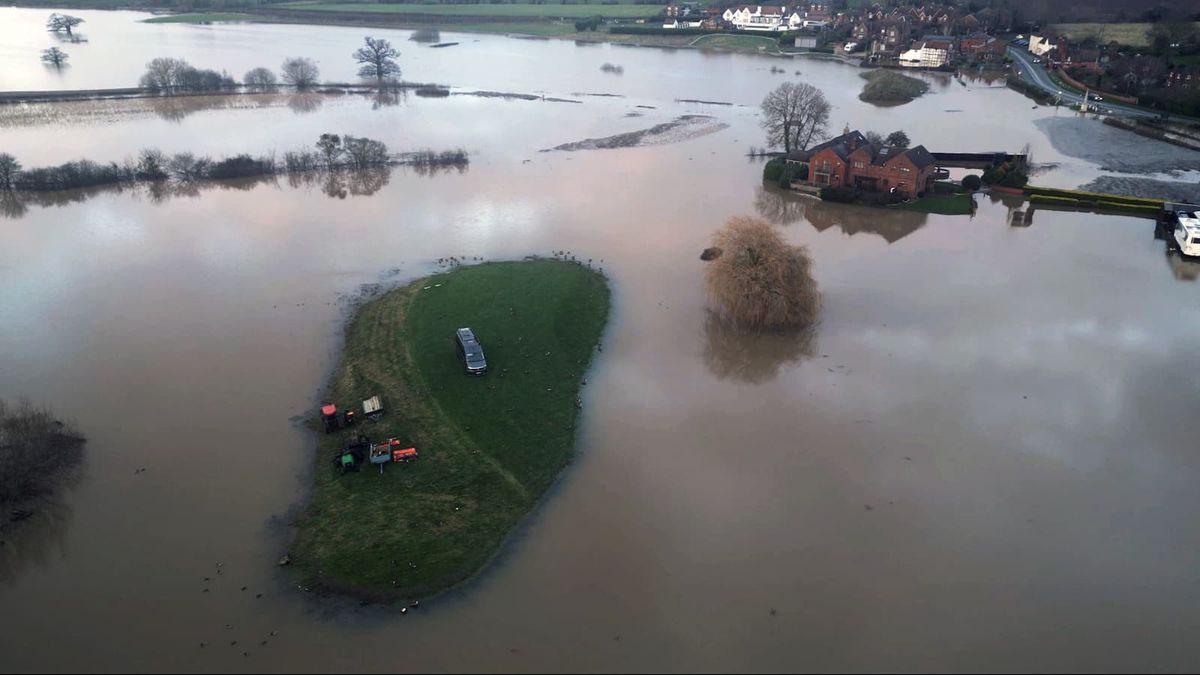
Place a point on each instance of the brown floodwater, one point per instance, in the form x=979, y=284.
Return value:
x=979, y=459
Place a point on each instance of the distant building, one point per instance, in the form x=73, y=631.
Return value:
x=762, y=17
x=1041, y=45
x=851, y=161
x=810, y=41
x=928, y=53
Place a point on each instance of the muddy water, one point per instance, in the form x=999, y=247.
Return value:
x=981, y=458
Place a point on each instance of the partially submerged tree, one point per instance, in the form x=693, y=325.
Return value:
x=301, y=73
x=60, y=23
x=10, y=169
x=364, y=152
x=259, y=79
x=378, y=59
x=760, y=281
x=164, y=74
x=330, y=147
x=794, y=114
x=54, y=57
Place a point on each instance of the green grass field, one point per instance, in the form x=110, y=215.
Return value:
x=490, y=446
x=956, y=204
x=516, y=10
x=752, y=43
x=200, y=18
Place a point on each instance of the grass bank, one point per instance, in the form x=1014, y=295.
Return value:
x=211, y=17
x=954, y=204
x=489, y=446
x=748, y=43
x=888, y=87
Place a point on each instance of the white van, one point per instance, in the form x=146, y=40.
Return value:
x=1187, y=233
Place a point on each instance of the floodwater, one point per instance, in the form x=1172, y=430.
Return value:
x=982, y=458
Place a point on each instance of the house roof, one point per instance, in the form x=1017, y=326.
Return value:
x=841, y=146
x=844, y=145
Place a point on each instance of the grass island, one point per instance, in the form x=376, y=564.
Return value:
x=888, y=87
x=489, y=446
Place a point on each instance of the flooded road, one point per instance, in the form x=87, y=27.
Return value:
x=984, y=457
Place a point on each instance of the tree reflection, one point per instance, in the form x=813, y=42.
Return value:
x=37, y=540
x=386, y=97
x=305, y=102
x=12, y=205
x=753, y=356
x=367, y=182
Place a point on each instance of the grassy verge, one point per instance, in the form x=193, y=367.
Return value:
x=748, y=43
x=516, y=10
x=1080, y=195
x=955, y=204
x=489, y=446
x=210, y=17
x=888, y=87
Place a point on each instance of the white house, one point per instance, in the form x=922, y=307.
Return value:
x=762, y=17
x=1039, y=45
x=926, y=54
x=682, y=23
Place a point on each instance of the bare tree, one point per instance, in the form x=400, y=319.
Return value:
x=760, y=281
x=259, y=79
x=379, y=60
x=302, y=73
x=10, y=168
x=55, y=57
x=874, y=138
x=330, y=147
x=165, y=74
x=59, y=23
x=794, y=114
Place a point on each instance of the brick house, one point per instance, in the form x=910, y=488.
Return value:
x=981, y=47
x=851, y=161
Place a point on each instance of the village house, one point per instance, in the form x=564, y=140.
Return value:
x=929, y=52
x=982, y=47
x=762, y=17
x=850, y=160
x=1041, y=45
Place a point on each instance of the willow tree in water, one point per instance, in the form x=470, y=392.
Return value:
x=759, y=281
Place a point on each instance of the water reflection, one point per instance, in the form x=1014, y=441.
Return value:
x=304, y=102
x=338, y=185
x=783, y=207
x=732, y=352
x=1182, y=268
x=387, y=97
x=36, y=541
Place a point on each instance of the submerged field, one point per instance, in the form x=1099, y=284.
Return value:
x=490, y=446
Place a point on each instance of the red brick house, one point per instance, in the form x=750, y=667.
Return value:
x=851, y=161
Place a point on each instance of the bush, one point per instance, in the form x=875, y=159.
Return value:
x=426, y=35
x=971, y=182
x=240, y=166
x=842, y=194
x=761, y=281
x=773, y=169
x=1014, y=179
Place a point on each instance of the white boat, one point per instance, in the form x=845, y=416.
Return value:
x=1187, y=233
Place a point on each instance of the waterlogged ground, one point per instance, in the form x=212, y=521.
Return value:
x=981, y=456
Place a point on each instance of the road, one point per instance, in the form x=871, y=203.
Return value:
x=1032, y=73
